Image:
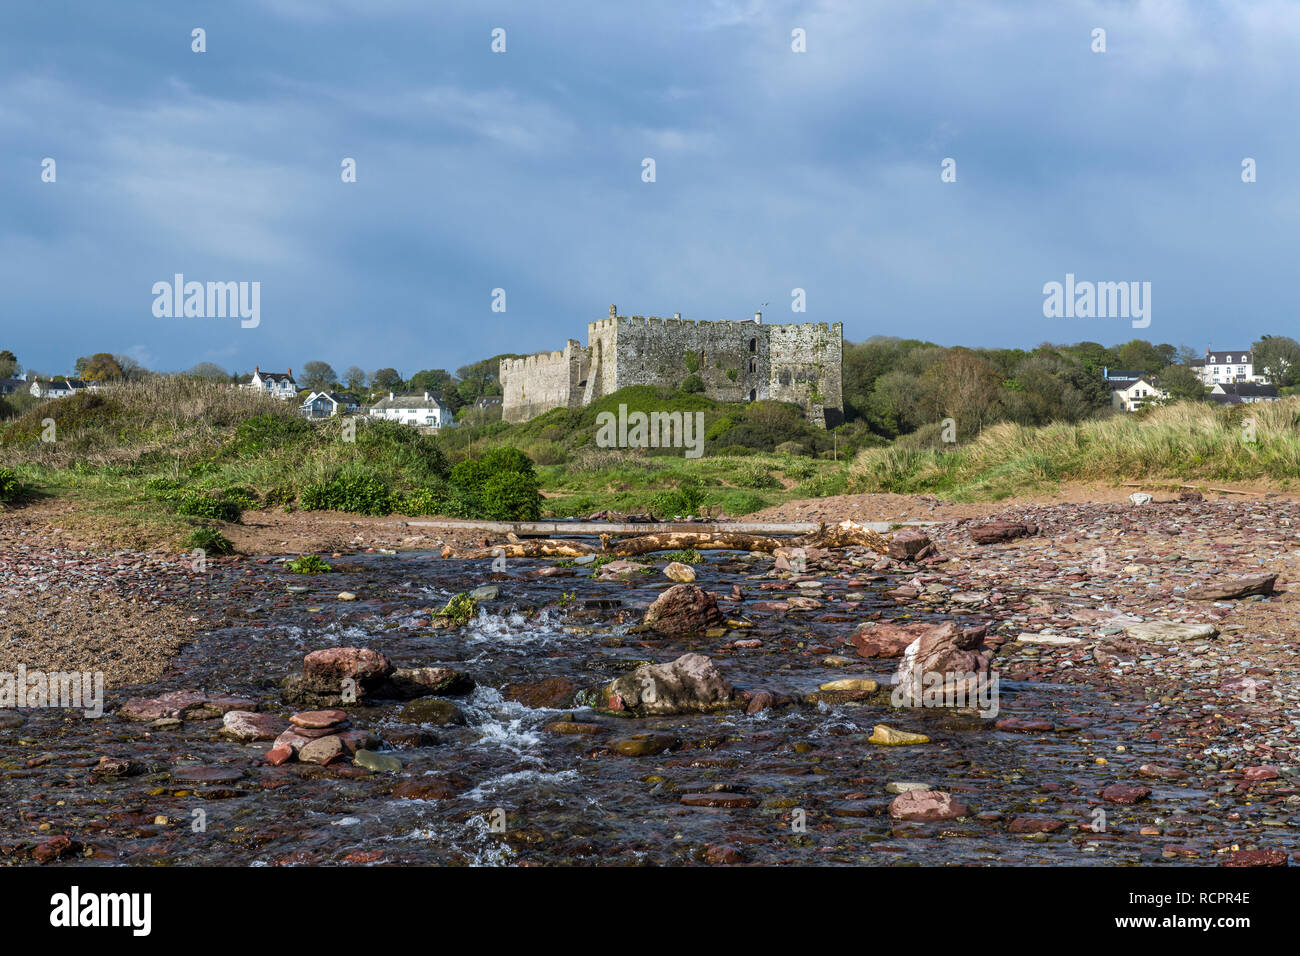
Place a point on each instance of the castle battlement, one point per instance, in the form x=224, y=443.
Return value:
x=736, y=360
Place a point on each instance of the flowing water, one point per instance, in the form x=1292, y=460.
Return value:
x=817, y=788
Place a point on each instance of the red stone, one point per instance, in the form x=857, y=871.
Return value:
x=926, y=805
x=1261, y=773
x=1123, y=793
x=318, y=719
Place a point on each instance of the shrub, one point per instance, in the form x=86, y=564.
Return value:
x=308, y=564
x=422, y=501
x=692, y=384
x=500, y=486
x=685, y=500
x=209, y=540
x=353, y=491
x=246, y=498
x=264, y=432
x=404, y=450
x=754, y=475
x=511, y=497
x=279, y=495
x=199, y=505
x=11, y=489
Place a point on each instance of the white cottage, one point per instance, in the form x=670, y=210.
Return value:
x=278, y=384
x=422, y=410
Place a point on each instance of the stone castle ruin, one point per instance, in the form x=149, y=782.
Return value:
x=736, y=361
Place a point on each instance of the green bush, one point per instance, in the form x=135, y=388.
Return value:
x=308, y=564
x=500, y=486
x=11, y=489
x=692, y=384
x=754, y=475
x=279, y=495
x=200, y=505
x=431, y=500
x=402, y=449
x=209, y=540
x=246, y=498
x=264, y=432
x=685, y=500
x=354, y=491
x=459, y=610
x=511, y=496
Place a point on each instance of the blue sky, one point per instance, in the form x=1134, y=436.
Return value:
x=775, y=170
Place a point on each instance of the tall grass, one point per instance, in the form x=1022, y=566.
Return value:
x=1181, y=442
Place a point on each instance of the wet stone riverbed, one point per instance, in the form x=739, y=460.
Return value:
x=793, y=785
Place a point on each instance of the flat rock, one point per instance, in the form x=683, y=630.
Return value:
x=850, y=684
x=249, y=725
x=431, y=787
x=432, y=710
x=380, y=763
x=1124, y=793
x=1231, y=588
x=317, y=719
x=549, y=692
x=207, y=775
x=1052, y=640
x=728, y=801
x=993, y=532
x=904, y=786
x=889, y=737
x=322, y=750
x=926, y=805
x=1168, y=632
x=644, y=745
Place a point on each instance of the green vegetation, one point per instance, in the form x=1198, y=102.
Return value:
x=209, y=540
x=308, y=564
x=151, y=461
x=202, y=505
x=11, y=489
x=1178, y=443
x=689, y=556
x=460, y=610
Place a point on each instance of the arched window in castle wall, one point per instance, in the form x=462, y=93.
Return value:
x=753, y=345
x=753, y=395
x=753, y=365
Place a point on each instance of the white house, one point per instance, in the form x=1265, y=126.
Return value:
x=423, y=410
x=1130, y=394
x=57, y=389
x=277, y=384
x=328, y=404
x=1227, y=365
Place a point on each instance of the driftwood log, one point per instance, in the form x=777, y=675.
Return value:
x=846, y=534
